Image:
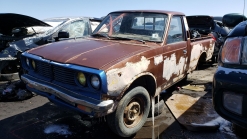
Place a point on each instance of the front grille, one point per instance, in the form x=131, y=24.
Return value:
x=64, y=75
x=57, y=73
x=44, y=69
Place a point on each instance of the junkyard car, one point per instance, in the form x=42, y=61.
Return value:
x=19, y=33
x=230, y=79
x=130, y=57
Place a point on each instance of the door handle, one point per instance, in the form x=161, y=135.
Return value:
x=185, y=51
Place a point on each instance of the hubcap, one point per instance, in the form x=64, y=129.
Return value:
x=133, y=113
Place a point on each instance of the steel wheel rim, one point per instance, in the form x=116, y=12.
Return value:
x=133, y=112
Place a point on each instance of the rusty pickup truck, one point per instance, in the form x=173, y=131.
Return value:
x=117, y=71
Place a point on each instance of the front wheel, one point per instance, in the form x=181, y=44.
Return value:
x=131, y=113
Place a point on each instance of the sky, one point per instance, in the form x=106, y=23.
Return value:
x=42, y=9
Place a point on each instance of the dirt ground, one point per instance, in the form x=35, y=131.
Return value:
x=37, y=118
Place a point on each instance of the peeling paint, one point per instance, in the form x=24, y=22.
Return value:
x=185, y=63
x=210, y=50
x=171, y=67
x=117, y=83
x=157, y=92
x=167, y=85
x=158, y=59
x=177, y=78
x=195, y=55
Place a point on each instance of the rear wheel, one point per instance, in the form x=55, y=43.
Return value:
x=131, y=113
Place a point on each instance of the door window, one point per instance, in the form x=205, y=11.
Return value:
x=175, y=33
x=77, y=29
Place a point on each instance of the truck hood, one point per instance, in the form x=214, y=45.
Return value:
x=87, y=52
x=12, y=20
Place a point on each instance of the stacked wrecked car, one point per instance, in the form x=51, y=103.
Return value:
x=19, y=33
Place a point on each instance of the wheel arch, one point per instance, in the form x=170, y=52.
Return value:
x=203, y=57
x=146, y=80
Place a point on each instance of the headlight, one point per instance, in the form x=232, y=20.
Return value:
x=33, y=64
x=233, y=102
x=95, y=82
x=231, y=50
x=27, y=61
x=244, y=53
x=81, y=78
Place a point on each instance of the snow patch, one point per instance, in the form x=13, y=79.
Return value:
x=59, y=129
x=225, y=125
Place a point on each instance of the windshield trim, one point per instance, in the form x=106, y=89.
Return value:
x=118, y=15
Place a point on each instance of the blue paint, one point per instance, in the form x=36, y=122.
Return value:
x=88, y=90
x=53, y=99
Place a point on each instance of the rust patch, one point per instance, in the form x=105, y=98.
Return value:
x=118, y=79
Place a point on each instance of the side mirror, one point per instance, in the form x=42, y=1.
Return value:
x=63, y=34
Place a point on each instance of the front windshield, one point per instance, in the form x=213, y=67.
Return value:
x=137, y=25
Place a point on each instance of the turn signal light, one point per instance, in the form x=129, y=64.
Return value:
x=231, y=50
x=244, y=52
x=84, y=108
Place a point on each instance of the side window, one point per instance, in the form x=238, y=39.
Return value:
x=94, y=24
x=175, y=33
x=65, y=28
x=76, y=29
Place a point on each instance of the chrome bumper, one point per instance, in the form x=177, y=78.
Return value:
x=72, y=98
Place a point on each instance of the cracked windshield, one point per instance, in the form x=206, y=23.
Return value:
x=136, y=26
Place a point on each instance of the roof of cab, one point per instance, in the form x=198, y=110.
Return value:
x=153, y=11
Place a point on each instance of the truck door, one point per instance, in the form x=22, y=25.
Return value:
x=175, y=51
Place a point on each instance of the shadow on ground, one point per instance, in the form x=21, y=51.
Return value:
x=31, y=124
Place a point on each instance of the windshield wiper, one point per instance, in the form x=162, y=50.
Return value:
x=114, y=37
x=101, y=35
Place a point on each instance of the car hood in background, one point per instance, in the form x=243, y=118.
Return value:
x=8, y=21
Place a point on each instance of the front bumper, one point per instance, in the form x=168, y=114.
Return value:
x=65, y=97
x=4, y=61
x=230, y=80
